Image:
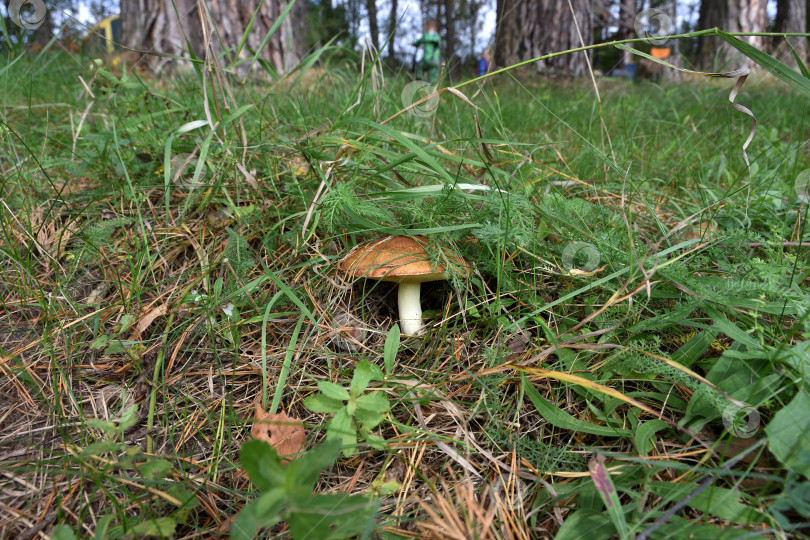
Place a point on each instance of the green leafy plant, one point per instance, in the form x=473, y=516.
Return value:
x=288, y=495
x=111, y=455
x=114, y=342
x=353, y=409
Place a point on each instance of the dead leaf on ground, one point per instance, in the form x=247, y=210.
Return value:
x=705, y=230
x=225, y=525
x=517, y=344
x=585, y=273
x=148, y=319
x=282, y=432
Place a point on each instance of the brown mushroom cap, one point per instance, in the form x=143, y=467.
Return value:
x=398, y=259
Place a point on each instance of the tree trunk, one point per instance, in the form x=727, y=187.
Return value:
x=627, y=17
x=507, y=28
x=712, y=13
x=392, y=29
x=749, y=16
x=371, y=8
x=474, y=11
x=791, y=18
x=170, y=26
x=532, y=28
x=731, y=16
x=449, y=35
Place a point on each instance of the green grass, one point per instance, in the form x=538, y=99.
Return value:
x=592, y=325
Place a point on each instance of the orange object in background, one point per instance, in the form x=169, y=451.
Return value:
x=660, y=52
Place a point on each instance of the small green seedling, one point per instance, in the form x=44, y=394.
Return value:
x=288, y=495
x=114, y=342
x=353, y=410
x=610, y=497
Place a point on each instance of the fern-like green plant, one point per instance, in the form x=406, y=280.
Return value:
x=98, y=236
x=239, y=255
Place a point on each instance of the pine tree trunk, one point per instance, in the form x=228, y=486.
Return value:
x=392, y=29
x=169, y=26
x=749, y=16
x=373, y=28
x=449, y=35
x=475, y=10
x=712, y=14
x=532, y=28
x=507, y=28
x=791, y=18
x=731, y=16
x=627, y=17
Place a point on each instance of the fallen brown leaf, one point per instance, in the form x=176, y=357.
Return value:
x=705, y=230
x=585, y=273
x=148, y=319
x=282, y=432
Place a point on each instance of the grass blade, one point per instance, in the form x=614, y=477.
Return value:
x=562, y=420
x=799, y=61
x=777, y=68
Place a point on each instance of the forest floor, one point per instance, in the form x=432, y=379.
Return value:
x=625, y=358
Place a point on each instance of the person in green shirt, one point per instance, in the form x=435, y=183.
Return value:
x=428, y=68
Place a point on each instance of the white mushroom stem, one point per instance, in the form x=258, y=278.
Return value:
x=410, y=308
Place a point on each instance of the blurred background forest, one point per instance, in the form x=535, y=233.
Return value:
x=513, y=30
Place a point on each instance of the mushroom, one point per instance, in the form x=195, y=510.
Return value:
x=403, y=260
